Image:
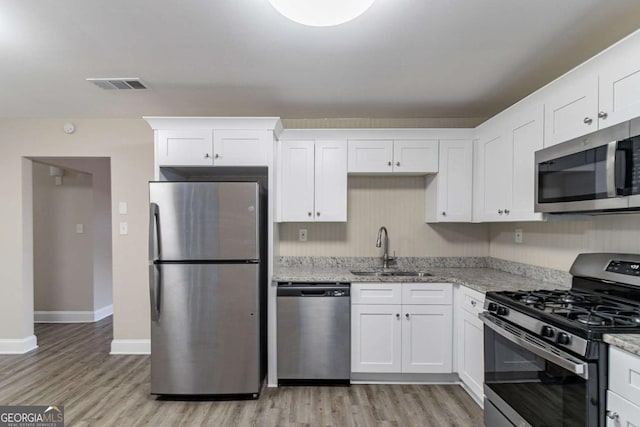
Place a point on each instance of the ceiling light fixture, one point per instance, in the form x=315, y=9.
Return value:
x=321, y=13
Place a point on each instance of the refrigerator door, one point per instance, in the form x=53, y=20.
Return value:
x=198, y=221
x=206, y=339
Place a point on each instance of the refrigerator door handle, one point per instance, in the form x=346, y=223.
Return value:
x=154, y=291
x=154, y=231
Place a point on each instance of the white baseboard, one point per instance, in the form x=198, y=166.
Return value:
x=19, y=346
x=131, y=347
x=72, y=316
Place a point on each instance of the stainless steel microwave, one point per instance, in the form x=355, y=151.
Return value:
x=598, y=172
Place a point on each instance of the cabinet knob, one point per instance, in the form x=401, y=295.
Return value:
x=397, y=163
x=309, y=213
x=397, y=315
x=500, y=211
x=588, y=120
x=602, y=115
x=444, y=213
x=388, y=163
x=206, y=155
x=217, y=156
x=407, y=316
x=507, y=211
x=612, y=415
x=317, y=213
x=473, y=303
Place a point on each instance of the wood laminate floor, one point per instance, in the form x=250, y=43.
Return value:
x=73, y=367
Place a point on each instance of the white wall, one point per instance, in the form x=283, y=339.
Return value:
x=398, y=204
x=63, y=259
x=556, y=244
x=129, y=145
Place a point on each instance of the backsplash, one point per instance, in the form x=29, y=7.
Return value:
x=397, y=203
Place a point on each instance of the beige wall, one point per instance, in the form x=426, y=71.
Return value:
x=129, y=145
x=63, y=259
x=397, y=203
x=556, y=244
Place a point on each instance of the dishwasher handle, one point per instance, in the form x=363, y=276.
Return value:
x=314, y=291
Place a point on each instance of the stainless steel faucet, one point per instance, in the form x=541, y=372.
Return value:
x=385, y=256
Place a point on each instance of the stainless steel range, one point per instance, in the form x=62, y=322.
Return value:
x=545, y=360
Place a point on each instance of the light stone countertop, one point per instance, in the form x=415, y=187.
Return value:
x=480, y=279
x=628, y=342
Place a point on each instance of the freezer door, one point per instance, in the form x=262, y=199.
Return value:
x=205, y=220
x=206, y=339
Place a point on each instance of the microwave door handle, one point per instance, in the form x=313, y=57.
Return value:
x=577, y=368
x=611, y=169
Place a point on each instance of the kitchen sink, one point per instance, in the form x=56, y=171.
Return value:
x=398, y=273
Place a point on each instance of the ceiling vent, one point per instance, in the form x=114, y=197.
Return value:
x=128, y=83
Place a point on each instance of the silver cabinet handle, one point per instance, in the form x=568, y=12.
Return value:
x=444, y=213
x=397, y=315
x=612, y=415
x=500, y=211
x=388, y=163
x=507, y=211
x=473, y=303
x=206, y=155
x=407, y=316
x=397, y=163
x=602, y=115
x=317, y=213
x=588, y=120
x=309, y=213
x=217, y=156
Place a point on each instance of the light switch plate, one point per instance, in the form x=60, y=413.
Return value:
x=124, y=229
x=122, y=208
x=79, y=228
x=302, y=234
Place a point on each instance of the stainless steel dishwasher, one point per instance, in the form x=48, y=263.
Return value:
x=314, y=333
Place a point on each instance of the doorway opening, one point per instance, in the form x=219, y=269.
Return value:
x=72, y=257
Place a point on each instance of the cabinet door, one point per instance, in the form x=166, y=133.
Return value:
x=471, y=352
x=622, y=412
x=455, y=185
x=297, y=178
x=415, y=156
x=571, y=107
x=185, y=147
x=376, y=338
x=241, y=147
x=331, y=181
x=427, y=338
x=620, y=83
x=526, y=135
x=370, y=156
x=494, y=155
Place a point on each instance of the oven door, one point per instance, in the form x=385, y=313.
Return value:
x=529, y=382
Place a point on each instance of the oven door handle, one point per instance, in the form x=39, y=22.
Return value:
x=580, y=369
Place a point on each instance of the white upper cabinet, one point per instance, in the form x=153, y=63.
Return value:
x=185, y=147
x=393, y=156
x=571, y=107
x=241, y=147
x=601, y=93
x=505, y=161
x=452, y=185
x=313, y=181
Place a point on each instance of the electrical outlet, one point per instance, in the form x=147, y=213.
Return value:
x=79, y=228
x=124, y=229
x=302, y=234
x=517, y=236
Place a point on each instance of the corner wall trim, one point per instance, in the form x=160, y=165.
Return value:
x=72, y=316
x=18, y=346
x=130, y=347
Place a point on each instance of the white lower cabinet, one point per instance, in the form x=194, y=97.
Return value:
x=470, y=341
x=623, y=396
x=389, y=337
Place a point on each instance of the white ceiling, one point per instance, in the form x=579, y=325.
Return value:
x=402, y=58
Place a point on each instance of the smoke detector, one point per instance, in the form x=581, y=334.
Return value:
x=119, y=83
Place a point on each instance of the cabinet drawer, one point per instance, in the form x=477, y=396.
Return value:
x=376, y=293
x=627, y=413
x=624, y=374
x=471, y=301
x=427, y=293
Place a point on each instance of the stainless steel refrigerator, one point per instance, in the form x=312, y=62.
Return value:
x=207, y=286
